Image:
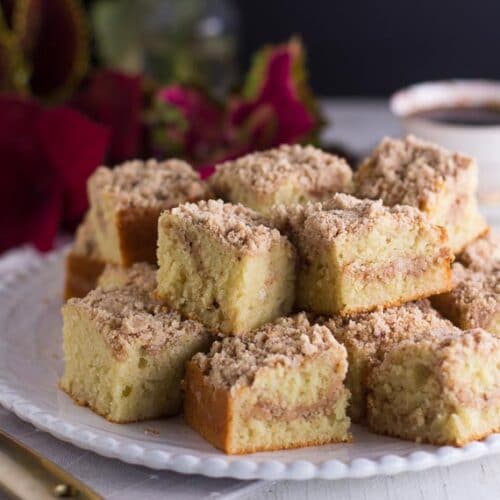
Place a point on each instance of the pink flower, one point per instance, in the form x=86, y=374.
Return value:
x=47, y=156
x=274, y=107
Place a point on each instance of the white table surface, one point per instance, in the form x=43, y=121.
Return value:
x=357, y=124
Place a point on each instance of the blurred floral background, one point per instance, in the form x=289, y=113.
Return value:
x=90, y=83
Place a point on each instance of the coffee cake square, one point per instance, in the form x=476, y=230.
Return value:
x=125, y=354
x=443, y=391
x=287, y=174
x=474, y=301
x=482, y=254
x=126, y=202
x=281, y=387
x=368, y=337
x=417, y=173
x=358, y=255
x=220, y=264
x=84, y=262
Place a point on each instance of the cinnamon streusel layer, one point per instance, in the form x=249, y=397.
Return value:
x=220, y=264
x=279, y=387
x=358, y=255
x=442, y=390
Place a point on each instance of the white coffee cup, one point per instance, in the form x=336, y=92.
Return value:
x=480, y=141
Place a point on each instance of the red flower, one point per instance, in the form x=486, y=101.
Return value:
x=46, y=156
x=44, y=47
x=115, y=100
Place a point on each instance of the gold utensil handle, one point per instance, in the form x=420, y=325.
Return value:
x=24, y=474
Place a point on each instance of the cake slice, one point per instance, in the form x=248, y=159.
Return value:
x=219, y=264
x=443, y=391
x=418, y=173
x=474, y=301
x=482, y=254
x=281, y=387
x=84, y=262
x=368, y=337
x=287, y=174
x=125, y=355
x=357, y=255
x=140, y=275
x=127, y=201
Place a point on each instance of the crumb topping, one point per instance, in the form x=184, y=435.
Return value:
x=476, y=294
x=151, y=183
x=482, y=254
x=266, y=171
x=85, y=243
x=129, y=316
x=315, y=223
x=234, y=361
x=235, y=225
x=375, y=332
x=451, y=357
x=408, y=172
x=140, y=275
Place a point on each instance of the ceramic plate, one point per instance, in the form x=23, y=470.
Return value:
x=31, y=363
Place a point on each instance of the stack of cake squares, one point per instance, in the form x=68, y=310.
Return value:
x=290, y=297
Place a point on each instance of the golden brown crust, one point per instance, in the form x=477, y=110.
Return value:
x=138, y=234
x=132, y=196
x=209, y=410
x=82, y=273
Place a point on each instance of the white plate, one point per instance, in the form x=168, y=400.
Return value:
x=31, y=362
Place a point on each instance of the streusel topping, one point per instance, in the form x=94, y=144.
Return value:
x=151, y=183
x=315, y=223
x=376, y=331
x=476, y=293
x=451, y=356
x=85, y=243
x=235, y=225
x=128, y=316
x=265, y=172
x=408, y=172
x=482, y=254
x=234, y=361
x=140, y=275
